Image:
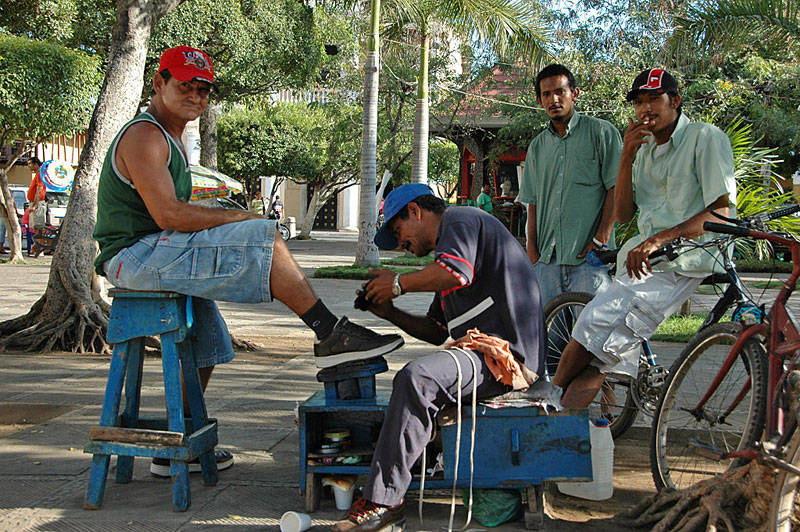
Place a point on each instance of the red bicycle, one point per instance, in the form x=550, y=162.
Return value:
x=731, y=398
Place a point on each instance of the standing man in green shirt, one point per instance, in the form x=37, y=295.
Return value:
x=568, y=183
x=674, y=172
x=485, y=200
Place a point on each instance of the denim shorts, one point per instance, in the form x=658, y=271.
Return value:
x=614, y=323
x=231, y=262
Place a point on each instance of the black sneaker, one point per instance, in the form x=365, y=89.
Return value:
x=160, y=466
x=349, y=342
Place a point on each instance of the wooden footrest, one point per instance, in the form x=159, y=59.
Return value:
x=125, y=435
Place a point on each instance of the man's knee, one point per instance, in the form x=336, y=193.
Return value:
x=413, y=378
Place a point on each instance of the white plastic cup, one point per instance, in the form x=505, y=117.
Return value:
x=601, y=487
x=295, y=522
x=343, y=495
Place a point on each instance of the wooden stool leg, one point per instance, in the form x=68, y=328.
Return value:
x=197, y=407
x=133, y=392
x=179, y=469
x=108, y=418
x=97, y=482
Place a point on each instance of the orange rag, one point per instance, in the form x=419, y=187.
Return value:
x=499, y=359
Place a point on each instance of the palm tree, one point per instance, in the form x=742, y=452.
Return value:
x=510, y=27
x=366, y=250
x=721, y=25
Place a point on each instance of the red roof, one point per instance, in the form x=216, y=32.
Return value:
x=502, y=85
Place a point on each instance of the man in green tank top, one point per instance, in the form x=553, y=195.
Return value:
x=151, y=238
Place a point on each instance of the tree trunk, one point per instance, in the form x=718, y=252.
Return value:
x=314, y=206
x=8, y=216
x=208, y=137
x=71, y=315
x=419, y=160
x=476, y=147
x=366, y=250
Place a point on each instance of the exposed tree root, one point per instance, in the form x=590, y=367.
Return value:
x=737, y=500
x=71, y=316
x=69, y=319
x=243, y=345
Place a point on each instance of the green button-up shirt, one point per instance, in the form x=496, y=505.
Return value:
x=567, y=178
x=671, y=186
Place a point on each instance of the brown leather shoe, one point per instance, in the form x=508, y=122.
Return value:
x=366, y=516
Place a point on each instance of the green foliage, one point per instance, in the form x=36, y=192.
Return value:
x=81, y=24
x=313, y=144
x=443, y=169
x=49, y=20
x=45, y=90
x=714, y=28
x=758, y=190
x=256, y=47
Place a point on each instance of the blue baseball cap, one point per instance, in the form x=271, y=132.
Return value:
x=394, y=203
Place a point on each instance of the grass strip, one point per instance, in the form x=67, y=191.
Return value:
x=411, y=260
x=763, y=266
x=767, y=284
x=353, y=272
x=679, y=328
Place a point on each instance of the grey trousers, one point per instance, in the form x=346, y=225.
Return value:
x=420, y=390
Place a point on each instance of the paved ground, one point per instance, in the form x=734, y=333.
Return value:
x=49, y=401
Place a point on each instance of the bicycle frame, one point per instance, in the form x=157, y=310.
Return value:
x=781, y=330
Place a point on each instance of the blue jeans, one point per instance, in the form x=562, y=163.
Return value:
x=230, y=262
x=555, y=279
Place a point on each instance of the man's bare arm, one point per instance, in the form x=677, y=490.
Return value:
x=638, y=263
x=635, y=136
x=432, y=278
x=420, y=327
x=142, y=156
x=603, y=233
x=531, y=246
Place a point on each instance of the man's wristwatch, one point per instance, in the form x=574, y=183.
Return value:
x=397, y=290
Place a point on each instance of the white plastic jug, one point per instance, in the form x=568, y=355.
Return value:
x=602, y=485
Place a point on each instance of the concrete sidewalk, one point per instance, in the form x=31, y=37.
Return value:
x=49, y=402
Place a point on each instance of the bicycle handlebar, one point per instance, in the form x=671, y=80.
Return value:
x=726, y=229
x=785, y=211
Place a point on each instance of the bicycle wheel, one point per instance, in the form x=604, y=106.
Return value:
x=615, y=401
x=677, y=428
x=284, y=231
x=560, y=315
x=785, y=509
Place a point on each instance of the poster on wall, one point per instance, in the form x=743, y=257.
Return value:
x=57, y=175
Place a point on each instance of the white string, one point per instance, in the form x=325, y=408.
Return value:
x=472, y=433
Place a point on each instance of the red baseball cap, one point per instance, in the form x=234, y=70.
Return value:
x=654, y=80
x=185, y=63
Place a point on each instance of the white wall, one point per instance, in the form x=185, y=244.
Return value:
x=348, y=208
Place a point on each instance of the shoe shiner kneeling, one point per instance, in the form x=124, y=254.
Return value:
x=482, y=279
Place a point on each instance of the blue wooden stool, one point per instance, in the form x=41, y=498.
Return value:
x=135, y=315
x=351, y=381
